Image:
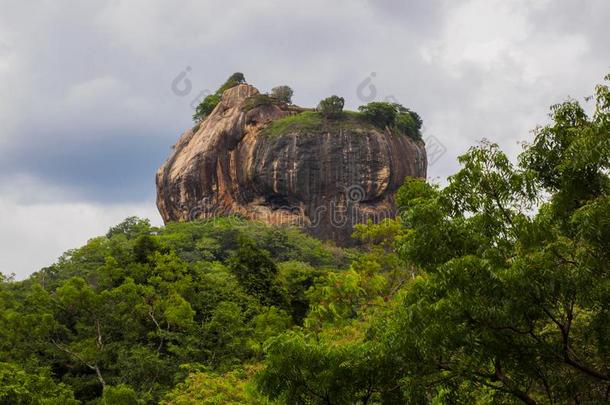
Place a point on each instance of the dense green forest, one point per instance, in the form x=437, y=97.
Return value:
x=493, y=289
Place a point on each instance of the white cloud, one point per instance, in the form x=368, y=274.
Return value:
x=33, y=236
x=514, y=66
x=40, y=222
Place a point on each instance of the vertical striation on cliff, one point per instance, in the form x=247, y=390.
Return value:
x=324, y=178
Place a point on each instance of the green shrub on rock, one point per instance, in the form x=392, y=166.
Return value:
x=394, y=116
x=379, y=113
x=331, y=107
x=282, y=94
x=258, y=100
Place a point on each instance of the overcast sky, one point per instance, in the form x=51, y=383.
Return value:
x=93, y=94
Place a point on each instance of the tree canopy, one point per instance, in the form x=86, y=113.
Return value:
x=394, y=116
x=282, y=93
x=331, y=107
x=130, y=314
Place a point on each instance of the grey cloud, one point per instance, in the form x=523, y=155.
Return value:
x=87, y=87
x=117, y=167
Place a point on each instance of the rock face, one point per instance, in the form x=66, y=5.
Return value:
x=325, y=181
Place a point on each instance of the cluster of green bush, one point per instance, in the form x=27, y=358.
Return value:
x=393, y=116
x=279, y=94
x=283, y=94
x=329, y=116
x=258, y=100
x=381, y=114
x=331, y=107
x=129, y=314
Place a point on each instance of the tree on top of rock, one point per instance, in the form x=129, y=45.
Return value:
x=282, y=93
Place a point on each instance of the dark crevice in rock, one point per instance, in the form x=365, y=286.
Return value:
x=300, y=177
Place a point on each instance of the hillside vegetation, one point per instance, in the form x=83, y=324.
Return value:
x=493, y=289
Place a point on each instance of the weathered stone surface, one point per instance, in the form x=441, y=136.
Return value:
x=324, y=182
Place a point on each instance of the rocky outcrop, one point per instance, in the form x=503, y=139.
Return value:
x=322, y=180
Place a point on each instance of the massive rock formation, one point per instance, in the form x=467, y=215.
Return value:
x=324, y=179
